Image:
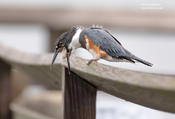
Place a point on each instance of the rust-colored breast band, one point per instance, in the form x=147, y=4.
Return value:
x=103, y=54
x=92, y=46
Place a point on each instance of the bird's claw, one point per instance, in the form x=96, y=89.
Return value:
x=92, y=60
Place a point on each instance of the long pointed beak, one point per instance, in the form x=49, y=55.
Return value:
x=54, y=57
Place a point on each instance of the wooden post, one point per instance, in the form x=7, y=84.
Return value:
x=79, y=97
x=5, y=89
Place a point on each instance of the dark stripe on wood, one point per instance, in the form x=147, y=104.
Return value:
x=79, y=98
x=5, y=89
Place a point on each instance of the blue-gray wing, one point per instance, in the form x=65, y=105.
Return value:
x=105, y=41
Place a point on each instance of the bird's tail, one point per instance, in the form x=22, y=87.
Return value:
x=142, y=61
x=133, y=57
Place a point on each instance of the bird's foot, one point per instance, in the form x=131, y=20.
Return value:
x=92, y=60
x=69, y=52
x=66, y=53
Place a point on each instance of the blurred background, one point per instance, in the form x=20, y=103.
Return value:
x=144, y=27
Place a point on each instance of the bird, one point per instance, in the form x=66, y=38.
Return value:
x=98, y=41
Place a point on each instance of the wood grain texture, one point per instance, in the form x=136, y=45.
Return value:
x=152, y=90
x=5, y=90
x=79, y=97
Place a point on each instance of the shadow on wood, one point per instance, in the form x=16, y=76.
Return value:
x=5, y=89
x=79, y=97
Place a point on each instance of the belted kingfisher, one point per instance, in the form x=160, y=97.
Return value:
x=98, y=41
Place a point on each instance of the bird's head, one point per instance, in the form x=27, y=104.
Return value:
x=63, y=42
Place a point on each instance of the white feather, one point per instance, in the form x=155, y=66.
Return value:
x=75, y=40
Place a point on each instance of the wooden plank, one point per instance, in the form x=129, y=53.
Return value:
x=65, y=18
x=79, y=97
x=152, y=90
x=5, y=90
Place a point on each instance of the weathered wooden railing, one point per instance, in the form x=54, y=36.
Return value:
x=151, y=90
